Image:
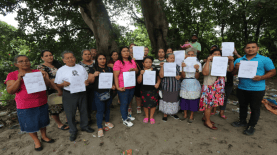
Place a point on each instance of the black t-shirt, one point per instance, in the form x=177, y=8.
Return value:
x=147, y=87
x=95, y=84
x=230, y=79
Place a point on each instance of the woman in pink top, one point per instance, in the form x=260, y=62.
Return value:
x=125, y=94
x=32, y=109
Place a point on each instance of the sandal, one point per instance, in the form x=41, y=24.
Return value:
x=100, y=133
x=152, y=121
x=106, y=128
x=145, y=120
x=75, y=122
x=109, y=125
x=205, y=120
x=64, y=127
x=223, y=116
x=213, y=127
x=129, y=111
x=213, y=113
x=138, y=110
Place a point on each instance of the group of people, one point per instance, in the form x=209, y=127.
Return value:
x=169, y=94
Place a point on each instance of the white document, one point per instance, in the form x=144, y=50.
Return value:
x=190, y=62
x=34, y=82
x=169, y=69
x=138, y=52
x=248, y=69
x=129, y=79
x=105, y=81
x=77, y=84
x=228, y=48
x=219, y=67
x=149, y=78
x=179, y=57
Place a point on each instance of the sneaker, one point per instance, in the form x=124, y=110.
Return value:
x=249, y=131
x=100, y=133
x=239, y=124
x=165, y=119
x=138, y=110
x=175, y=116
x=131, y=118
x=128, y=123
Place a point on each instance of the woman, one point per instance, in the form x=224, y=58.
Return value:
x=87, y=63
x=169, y=50
x=170, y=87
x=190, y=87
x=213, y=89
x=161, y=58
x=149, y=94
x=32, y=109
x=125, y=94
x=51, y=66
x=113, y=58
x=103, y=105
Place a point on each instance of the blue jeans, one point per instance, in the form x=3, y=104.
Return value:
x=125, y=98
x=102, y=106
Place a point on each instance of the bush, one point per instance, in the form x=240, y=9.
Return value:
x=5, y=96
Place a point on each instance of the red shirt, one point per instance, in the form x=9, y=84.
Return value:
x=22, y=98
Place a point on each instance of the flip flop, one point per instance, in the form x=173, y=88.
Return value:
x=106, y=128
x=64, y=127
x=223, y=116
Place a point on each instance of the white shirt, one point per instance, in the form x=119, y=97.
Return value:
x=65, y=73
x=191, y=74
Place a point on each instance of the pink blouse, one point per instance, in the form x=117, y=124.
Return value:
x=118, y=66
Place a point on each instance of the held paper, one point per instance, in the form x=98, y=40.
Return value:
x=248, y=69
x=190, y=62
x=105, y=81
x=34, y=82
x=219, y=67
x=138, y=52
x=228, y=48
x=129, y=79
x=149, y=78
x=77, y=84
x=169, y=69
x=179, y=57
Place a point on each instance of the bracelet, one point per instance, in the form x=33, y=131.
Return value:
x=197, y=71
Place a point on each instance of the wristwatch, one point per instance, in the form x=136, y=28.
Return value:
x=197, y=70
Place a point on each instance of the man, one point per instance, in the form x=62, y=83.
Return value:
x=194, y=43
x=252, y=90
x=93, y=54
x=75, y=100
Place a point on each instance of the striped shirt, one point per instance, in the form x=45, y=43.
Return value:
x=156, y=63
x=171, y=84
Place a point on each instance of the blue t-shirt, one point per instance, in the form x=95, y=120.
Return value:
x=264, y=64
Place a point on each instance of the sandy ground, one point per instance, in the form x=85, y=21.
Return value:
x=173, y=137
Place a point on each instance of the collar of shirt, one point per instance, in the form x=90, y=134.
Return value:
x=257, y=56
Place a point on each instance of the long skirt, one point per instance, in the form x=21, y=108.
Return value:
x=191, y=105
x=212, y=95
x=170, y=103
x=33, y=119
x=149, y=98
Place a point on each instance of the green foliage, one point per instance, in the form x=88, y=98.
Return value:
x=5, y=95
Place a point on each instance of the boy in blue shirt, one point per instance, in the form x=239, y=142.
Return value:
x=252, y=90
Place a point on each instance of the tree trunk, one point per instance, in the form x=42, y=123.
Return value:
x=96, y=17
x=156, y=23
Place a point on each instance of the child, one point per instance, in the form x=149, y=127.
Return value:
x=149, y=94
x=186, y=45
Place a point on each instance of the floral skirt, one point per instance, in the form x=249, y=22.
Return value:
x=149, y=98
x=212, y=95
x=190, y=89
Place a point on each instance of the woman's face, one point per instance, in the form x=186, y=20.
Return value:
x=147, y=64
x=216, y=53
x=169, y=51
x=161, y=53
x=171, y=58
x=101, y=60
x=131, y=48
x=86, y=56
x=23, y=63
x=47, y=57
x=115, y=56
x=125, y=53
x=191, y=54
x=146, y=51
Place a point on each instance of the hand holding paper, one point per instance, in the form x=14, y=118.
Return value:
x=219, y=66
x=248, y=69
x=169, y=69
x=34, y=82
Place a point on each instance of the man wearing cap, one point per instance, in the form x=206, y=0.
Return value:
x=194, y=43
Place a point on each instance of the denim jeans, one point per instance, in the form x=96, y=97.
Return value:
x=125, y=98
x=228, y=91
x=254, y=98
x=102, y=106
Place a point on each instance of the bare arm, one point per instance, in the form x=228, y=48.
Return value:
x=206, y=70
x=116, y=74
x=139, y=80
x=269, y=74
x=162, y=70
x=13, y=86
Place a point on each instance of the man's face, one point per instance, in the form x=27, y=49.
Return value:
x=93, y=53
x=251, y=49
x=194, y=38
x=69, y=59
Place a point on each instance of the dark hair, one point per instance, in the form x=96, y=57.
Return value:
x=55, y=63
x=148, y=57
x=16, y=57
x=186, y=40
x=212, y=52
x=146, y=47
x=111, y=54
x=43, y=51
x=96, y=66
x=194, y=35
x=214, y=46
x=120, y=55
x=251, y=42
x=132, y=44
x=66, y=52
